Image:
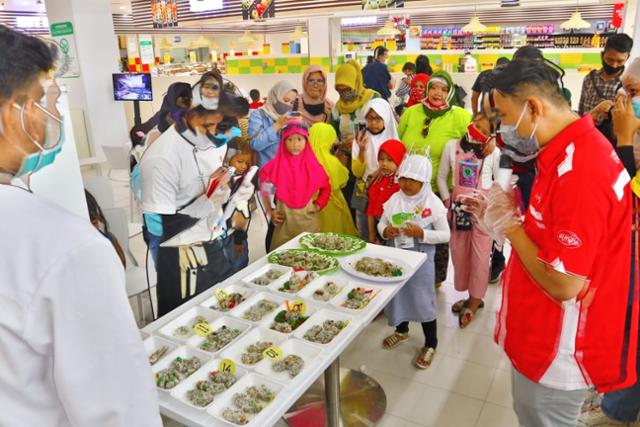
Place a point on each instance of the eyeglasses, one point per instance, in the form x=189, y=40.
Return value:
x=315, y=82
x=211, y=87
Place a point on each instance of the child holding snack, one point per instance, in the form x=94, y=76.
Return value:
x=383, y=184
x=302, y=187
x=415, y=219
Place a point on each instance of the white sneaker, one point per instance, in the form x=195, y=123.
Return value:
x=596, y=418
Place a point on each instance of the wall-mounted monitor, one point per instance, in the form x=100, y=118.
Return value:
x=132, y=87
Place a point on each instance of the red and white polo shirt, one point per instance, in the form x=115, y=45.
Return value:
x=580, y=218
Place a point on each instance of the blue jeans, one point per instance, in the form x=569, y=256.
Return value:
x=238, y=262
x=624, y=405
x=153, y=242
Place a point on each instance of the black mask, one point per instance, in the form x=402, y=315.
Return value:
x=611, y=71
x=314, y=109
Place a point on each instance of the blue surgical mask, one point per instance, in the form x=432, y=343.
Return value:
x=223, y=138
x=48, y=149
x=524, y=148
x=635, y=101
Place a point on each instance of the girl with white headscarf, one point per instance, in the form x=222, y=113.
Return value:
x=415, y=219
x=380, y=127
x=266, y=122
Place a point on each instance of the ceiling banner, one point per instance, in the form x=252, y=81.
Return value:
x=258, y=10
x=164, y=13
x=381, y=4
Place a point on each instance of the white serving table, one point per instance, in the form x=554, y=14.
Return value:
x=327, y=362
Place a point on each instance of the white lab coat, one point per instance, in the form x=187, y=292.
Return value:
x=70, y=351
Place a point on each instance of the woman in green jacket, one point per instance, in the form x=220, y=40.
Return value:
x=426, y=128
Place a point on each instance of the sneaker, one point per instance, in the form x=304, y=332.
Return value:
x=597, y=418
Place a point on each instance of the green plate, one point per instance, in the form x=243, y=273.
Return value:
x=355, y=244
x=299, y=257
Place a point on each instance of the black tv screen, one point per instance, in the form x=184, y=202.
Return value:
x=132, y=87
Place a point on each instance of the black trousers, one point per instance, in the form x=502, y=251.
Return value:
x=430, y=330
x=169, y=291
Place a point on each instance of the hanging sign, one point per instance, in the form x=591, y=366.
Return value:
x=68, y=65
x=258, y=10
x=164, y=13
x=618, y=15
x=381, y=4
x=205, y=5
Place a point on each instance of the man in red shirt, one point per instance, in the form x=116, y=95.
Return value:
x=567, y=298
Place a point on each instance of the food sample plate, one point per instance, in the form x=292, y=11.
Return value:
x=241, y=346
x=377, y=268
x=268, y=322
x=227, y=399
x=227, y=299
x=235, y=326
x=323, y=290
x=250, y=309
x=185, y=353
x=335, y=244
x=268, y=276
x=307, y=352
x=317, y=322
x=180, y=392
x=182, y=327
x=157, y=348
x=303, y=259
x=296, y=282
x=358, y=297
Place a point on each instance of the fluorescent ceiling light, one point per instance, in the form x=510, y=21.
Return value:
x=364, y=20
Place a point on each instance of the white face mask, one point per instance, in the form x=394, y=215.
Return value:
x=210, y=103
x=200, y=140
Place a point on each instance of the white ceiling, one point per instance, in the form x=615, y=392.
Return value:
x=117, y=6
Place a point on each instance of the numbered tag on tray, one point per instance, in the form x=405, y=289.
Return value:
x=221, y=295
x=273, y=353
x=202, y=329
x=227, y=366
x=298, y=305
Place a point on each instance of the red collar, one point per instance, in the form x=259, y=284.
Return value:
x=556, y=147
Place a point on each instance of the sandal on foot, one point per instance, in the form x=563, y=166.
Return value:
x=394, y=340
x=465, y=317
x=457, y=307
x=425, y=357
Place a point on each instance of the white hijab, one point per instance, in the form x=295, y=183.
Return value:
x=425, y=206
x=384, y=110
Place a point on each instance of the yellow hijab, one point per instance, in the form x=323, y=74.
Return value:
x=350, y=75
x=322, y=137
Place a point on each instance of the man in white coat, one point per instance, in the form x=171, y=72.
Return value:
x=70, y=352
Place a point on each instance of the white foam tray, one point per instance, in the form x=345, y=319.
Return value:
x=235, y=351
x=180, y=391
x=186, y=319
x=268, y=320
x=153, y=343
x=338, y=300
x=293, y=294
x=212, y=302
x=228, y=321
x=307, y=292
x=255, y=420
x=253, y=301
x=262, y=270
x=307, y=352
x=318, y=318
x=184, y=352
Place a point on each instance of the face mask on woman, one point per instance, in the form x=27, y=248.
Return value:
x=282, y=108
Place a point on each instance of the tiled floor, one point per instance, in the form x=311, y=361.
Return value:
x=468, y=383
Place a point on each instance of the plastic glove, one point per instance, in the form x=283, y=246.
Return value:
x=502, y=212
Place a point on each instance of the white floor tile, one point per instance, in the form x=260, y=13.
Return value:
x=497, y=416
x=500, y=390
x=440, y=408
x=457, y=376
x=473, y=347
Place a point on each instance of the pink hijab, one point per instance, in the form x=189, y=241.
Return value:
x=296, y=178
x=309, y=117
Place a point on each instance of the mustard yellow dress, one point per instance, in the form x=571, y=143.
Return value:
x=336, y=216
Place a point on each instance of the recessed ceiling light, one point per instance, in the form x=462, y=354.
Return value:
x=122, y=8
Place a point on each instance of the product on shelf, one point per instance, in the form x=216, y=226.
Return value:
x=176, y=372
x=204, y=391
x=326, y=333
x=217, y=340
x=263, y=307
x=253, y=353
x=186, y=331
x=251, y=401
x=292, y=363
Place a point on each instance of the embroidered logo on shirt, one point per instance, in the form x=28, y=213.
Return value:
x=426, y=213
x=569, y=239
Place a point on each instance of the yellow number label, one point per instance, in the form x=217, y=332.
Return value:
x=202, y=329
x=221, y=295
x=299, y=306
x=227, y=366
x=273, y=353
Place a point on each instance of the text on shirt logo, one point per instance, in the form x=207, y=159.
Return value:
x=569, y=239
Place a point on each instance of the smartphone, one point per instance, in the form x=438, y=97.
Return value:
x=294, y=110
x=212, y=188
x=361, y=127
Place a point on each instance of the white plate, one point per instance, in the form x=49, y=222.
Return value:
x=180, y=391
x=235, y=351
x=348, y=265
x=186, y=319
x=183, y=352
x=154, y=343
x=293, y=294
x=343, y=296
x=230, y=322
x=226, y=400
x=309, y=353
x=212, y=302
x=261, y=271
x=318, y=319
x=253, y=301
x=268, y=320
x=307, y=292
